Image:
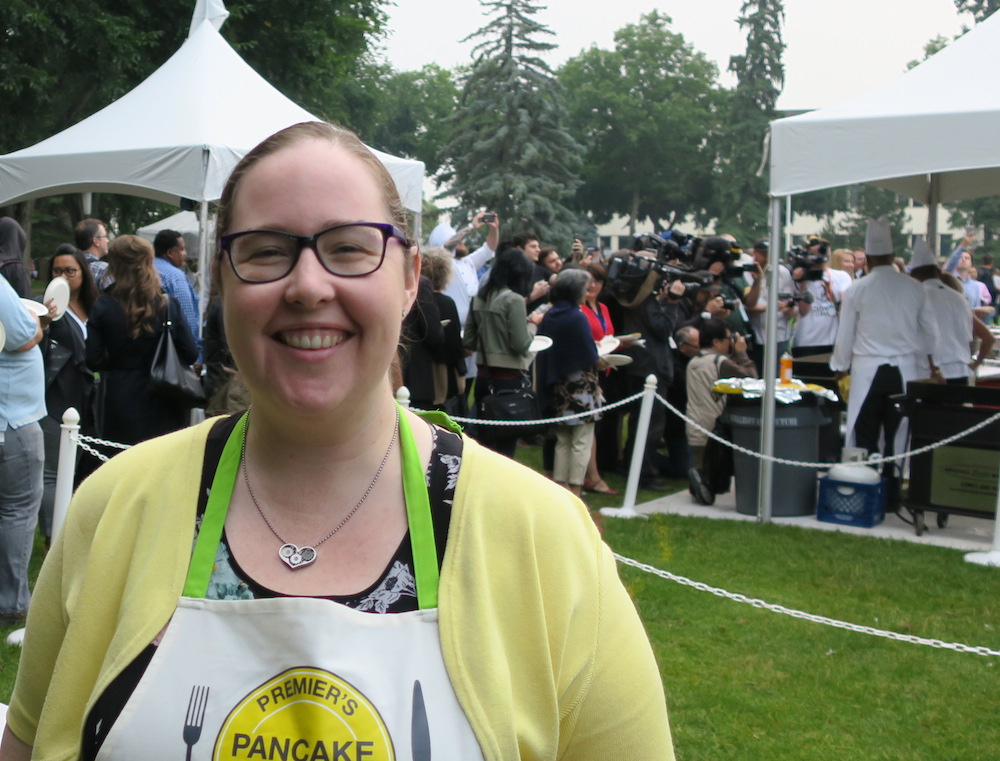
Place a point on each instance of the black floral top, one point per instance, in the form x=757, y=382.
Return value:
x=395, y=591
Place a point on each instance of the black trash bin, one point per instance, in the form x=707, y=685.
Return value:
x=796, y=437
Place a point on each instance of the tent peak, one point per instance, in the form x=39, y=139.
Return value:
x=212, y=11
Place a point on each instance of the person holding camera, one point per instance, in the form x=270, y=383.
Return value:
x=755, y=300
x=653, y=311
x=718, y=257
x=723, y=355
x=816, y=329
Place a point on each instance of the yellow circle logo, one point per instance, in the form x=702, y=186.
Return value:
x=304, y=714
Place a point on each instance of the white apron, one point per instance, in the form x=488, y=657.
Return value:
x=297, y=679
x=863, y=369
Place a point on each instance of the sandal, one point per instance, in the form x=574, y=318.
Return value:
x=594, y=487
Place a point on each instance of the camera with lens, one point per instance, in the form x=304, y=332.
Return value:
x=719, y=249
x=627, y=273
x=810, y=262
x=795, y=299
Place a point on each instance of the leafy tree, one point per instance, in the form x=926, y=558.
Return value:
x=61, y=62
x=509, y=147
x=932, y=47
x=979, y=9
x=743, y=194
x=411, y=116
x=873, y=202
x=645, y=111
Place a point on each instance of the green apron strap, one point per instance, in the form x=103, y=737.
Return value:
x=418, y=515
x=207, y=545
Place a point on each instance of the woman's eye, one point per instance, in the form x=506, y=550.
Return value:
x=265, y=254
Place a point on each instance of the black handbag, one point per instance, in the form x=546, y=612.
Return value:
x=169, y=378
x=512, y=405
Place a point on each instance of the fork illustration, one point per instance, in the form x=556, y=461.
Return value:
x=195, y=717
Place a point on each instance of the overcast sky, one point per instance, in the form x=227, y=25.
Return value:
x=835, y=48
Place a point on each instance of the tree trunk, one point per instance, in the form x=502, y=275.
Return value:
x=633, y=217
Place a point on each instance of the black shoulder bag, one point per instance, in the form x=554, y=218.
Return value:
x=169, y=378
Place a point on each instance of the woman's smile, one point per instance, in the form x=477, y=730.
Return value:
x=311, y=338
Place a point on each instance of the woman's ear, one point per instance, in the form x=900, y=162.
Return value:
x=411, y=274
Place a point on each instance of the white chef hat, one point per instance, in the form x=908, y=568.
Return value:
x=878, y=237
x=922, y=255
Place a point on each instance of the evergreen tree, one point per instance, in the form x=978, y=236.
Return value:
x=743, y=194
x=509, y=148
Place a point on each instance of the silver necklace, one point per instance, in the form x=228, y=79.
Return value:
x=291, y=554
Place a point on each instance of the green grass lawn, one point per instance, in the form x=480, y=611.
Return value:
x=751, y=685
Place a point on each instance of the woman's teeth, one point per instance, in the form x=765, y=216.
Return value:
x=311, y=341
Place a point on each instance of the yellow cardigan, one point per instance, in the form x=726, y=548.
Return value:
x=544, y=648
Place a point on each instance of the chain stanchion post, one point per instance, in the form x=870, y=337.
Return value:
x=66, y=468
x=403, y=397
x=627, y=510
x=991, y=556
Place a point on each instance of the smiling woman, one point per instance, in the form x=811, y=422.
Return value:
x=340, y=541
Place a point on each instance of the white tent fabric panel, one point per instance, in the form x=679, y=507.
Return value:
x=930, y=134
x=176, y=135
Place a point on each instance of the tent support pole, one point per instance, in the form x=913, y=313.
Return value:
x=87, y=202
x=766, y=467
x=204, y=270
x=788, y=222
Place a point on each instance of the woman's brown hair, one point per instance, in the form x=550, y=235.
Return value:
x=137, y=287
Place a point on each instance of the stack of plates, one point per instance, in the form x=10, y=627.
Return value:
x=607, y=345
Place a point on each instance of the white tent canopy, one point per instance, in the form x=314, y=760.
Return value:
x=930, y=134
x=176, y=135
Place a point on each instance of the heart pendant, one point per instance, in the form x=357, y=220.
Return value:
x=296, y=557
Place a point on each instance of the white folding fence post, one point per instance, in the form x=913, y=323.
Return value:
x=66, y=469
x=627, y=510
x=403, y=397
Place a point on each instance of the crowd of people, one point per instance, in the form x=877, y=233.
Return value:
x=471, y=335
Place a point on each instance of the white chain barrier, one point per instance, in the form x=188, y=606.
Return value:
x=824, y=465
x=81, y=440
x=761, y=604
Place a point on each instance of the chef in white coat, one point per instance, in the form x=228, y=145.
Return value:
x=887, y=334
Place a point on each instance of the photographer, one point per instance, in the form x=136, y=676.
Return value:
x=755, y=299
x=723, y=355
x=650, y=303
x=718, y=257
x=816, y=330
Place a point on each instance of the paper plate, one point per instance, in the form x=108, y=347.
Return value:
x=35, y=306
x=3, y=337
x=58, y=291
x=445, y=323
x=629, y=337
x=617, y=360
x=540, y=343
x=607, y=345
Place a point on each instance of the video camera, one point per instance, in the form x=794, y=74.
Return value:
x=628, y=272
x=796, y=298
x=811, y=262
x=718, y=249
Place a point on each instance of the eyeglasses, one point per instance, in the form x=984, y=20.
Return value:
x=353, y=250
x=67, y=271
